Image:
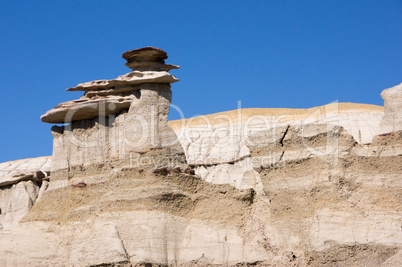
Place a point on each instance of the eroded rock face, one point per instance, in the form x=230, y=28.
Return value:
x=115, y=118
x=392, y=120
x=220, y=146
x=108, y=97
x=305, y=194
x=255, y=187
x=320, y=212
x=22, y=183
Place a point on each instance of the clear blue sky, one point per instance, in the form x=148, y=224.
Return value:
x=295, y=54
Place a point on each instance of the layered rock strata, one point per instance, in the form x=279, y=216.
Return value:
x=116, y=118
x=322, y=211
x=219, y=146
x=266, y=187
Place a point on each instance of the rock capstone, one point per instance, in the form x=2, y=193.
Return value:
x=147, y=58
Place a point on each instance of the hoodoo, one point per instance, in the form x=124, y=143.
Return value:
x=116, y=117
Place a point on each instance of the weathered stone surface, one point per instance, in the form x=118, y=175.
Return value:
x=20, y=183
x=116, y=118
x=148, y=58
x=265, y=187
x=138, y=217
x=26, y=166
x=320, y=211
x=212, y=144
x=128, y=230
x=142, y=127
x=392, y=120
x=228, y=136
x=129, y=79
x=240, y=174
x=132, y=238
x=84, y=109
x=15, y=201
x=105, y=97
x=219, y=144
x=148, y=53
x=349, y=228
x=109, y=97
x=146, y=66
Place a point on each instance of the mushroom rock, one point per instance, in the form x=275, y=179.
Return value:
x=392, y=120
x=116, y=117
x=109, y=97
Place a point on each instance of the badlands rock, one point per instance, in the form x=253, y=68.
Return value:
x=22, y=183
x=273, y=187
x=219, y=144
x=241, y=175
x=116, y=118
x=84, y=109
x=135, y=219
x=12, y=168
x=392, y=121
x=109, y=97
x=121, y=83
x=147, y=58
x=319, y=214
x=225, y=137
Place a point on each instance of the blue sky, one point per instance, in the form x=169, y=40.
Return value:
x=295, y=54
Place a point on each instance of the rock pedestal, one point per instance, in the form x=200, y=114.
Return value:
x=116, y=117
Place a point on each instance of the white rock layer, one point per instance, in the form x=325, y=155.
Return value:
x=134, y=237
x=392, y=120
x=20, y=184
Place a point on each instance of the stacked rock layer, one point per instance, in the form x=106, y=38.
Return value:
x=334, y=200
x=115, y=118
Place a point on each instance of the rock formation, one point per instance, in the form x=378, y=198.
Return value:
x=257, y=187
x=116, y=118
x=22, y=183
x=392, y=121
x=218, y=145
